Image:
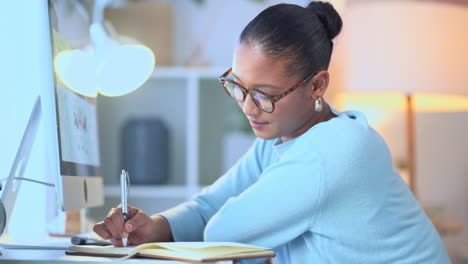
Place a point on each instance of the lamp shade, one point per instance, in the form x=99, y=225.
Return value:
x=113, y=69
x=407, y=47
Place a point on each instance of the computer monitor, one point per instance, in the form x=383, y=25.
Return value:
x=68, y=119
x=71, y=124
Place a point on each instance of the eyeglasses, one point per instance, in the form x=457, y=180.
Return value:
x=262, y=100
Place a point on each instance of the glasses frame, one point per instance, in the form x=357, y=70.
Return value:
x=246, y=91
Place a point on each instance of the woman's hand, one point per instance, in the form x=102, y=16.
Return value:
x=139, y=228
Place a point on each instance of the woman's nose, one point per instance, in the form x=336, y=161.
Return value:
x=249, y=107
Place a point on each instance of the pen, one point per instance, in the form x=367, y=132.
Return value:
x=124, y=193
x=124, y=182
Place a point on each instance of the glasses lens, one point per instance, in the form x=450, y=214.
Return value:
x=262, y=101
x=234, y=91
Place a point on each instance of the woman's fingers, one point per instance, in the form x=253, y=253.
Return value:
x=110, y=225
x=138, y=219
x=118, y=221
x=117, y=242
x=115, y=228
x=101, y=230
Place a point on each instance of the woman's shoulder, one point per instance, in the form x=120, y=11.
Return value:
x=348, y=125
x=348, y=130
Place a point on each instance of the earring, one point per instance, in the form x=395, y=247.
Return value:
x=318, y=104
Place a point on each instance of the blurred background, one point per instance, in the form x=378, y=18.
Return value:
x=179, y=131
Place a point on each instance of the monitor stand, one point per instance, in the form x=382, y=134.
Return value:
x=10, y=190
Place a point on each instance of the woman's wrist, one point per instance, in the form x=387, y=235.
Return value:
x=161, y=229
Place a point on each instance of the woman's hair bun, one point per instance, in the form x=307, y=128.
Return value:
x=329, y=17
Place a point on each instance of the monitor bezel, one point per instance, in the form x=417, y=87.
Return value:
x=74, y=191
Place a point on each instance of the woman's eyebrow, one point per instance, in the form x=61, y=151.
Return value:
x=257, y=85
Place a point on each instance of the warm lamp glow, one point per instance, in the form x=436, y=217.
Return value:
x=440, y=103
x=376, y=106
x=396, y=101
x=385, y=100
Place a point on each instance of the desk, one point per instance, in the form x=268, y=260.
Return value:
x=22, y=256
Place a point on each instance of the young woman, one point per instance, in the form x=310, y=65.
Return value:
x=318, y=185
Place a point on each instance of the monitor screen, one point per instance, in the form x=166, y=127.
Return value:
x=71, y=117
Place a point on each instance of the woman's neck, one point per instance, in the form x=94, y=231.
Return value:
x=327, y=114
x=323, y=116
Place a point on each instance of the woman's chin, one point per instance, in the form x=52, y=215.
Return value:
x=264, y=135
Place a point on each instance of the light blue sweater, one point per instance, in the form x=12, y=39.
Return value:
x=329, y=196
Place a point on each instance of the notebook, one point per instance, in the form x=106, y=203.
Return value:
x=181, y=251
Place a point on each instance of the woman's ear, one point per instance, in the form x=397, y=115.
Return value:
x=319, y=84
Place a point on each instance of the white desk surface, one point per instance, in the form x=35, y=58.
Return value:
x=20, y=256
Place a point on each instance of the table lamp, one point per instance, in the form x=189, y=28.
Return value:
x=111, y=70
x=409, y=55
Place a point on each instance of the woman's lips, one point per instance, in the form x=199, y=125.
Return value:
x=258, y=124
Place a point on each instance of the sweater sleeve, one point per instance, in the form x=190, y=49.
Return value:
x=188, y=220
x=279, y=207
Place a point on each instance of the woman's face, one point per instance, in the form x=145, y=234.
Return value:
x=293, y=114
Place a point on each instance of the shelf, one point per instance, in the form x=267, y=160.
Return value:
x=155, y=191
x=197, y=121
